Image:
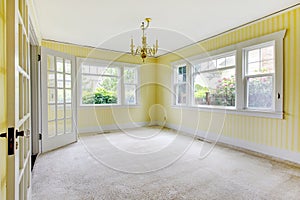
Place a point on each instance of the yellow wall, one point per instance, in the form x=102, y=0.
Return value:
x=90, y=118
x=3, y=112
x=281, y=134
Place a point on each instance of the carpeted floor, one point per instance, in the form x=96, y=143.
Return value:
x=150, y=163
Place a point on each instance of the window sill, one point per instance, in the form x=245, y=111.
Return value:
x=233, y=110
x=106, y=106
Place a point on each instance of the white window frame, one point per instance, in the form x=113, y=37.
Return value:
x=136, y=84
x=214, y=57
x=241, y=92
x=121, y=88
x=176, y=83
x=247, y=77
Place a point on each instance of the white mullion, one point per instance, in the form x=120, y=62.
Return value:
x=121, y=86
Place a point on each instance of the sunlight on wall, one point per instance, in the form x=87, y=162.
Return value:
x=281, y=134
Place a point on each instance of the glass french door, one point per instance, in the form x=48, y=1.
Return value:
x=58, y=99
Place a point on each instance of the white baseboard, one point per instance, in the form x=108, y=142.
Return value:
x=282, y=154
x=101, y=129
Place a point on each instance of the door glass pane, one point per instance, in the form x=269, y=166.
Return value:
x=68, y=110
x=68, y=66
x=60, y=127
x=51, y=112
x=50, y=63
x=68, y=125
x=59, y=64
x=260, y=90
x=60, y=95
x=51, y=79
x=67, y=81
x=60, y=80
x=51, y=129
x=51, y=95
x=68, y=96
x=60, y=112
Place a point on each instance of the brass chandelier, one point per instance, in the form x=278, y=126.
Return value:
x=144, y=50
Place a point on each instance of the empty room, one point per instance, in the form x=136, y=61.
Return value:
x=143, y=100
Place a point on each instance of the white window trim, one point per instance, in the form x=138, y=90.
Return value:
x=215, y=55
x=240, y=108
x=120, y=65
x=186, y=83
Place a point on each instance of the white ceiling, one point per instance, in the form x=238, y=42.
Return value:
x=110, y=24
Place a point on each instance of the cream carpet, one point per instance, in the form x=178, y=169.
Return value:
x=150, y=163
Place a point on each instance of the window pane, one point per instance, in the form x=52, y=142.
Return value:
x=51, y=129
x=215, y=88
x=108, y=71
x=212, y=64
x=51, y=112
x=60, y=127
x=181, y=94
x=59, y=64
x=253, y=68
x=60, y=96
x=51, y=95
x=68, y=81
x=204, y=66
x=267, y=66
x=253, y=56
x=230, y=61
x=181, y=76
x=50, y=62
x=130, y=75
x=221, y=63
x=68, y=96
x=85, y=69
x=99, y=90
x=60, y=112
x=68, y=66
x=267, y=53
x=130, y=94
x=51, y=79
x=260, y=90
x=60, y=80
x=93, y=70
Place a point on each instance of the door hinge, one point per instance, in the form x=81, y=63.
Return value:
x=3, y=135
x=39, y=57
x=40, y=136
x=11, y=141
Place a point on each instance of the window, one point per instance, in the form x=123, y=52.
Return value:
x=130, y=85
x=181, y=85
x=214, y=81
x=246, y=78
x=103, y=84
x=260, y=75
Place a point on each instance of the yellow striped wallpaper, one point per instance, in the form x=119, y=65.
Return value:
x=93, y=117
x=279, y=133
x=3, y=111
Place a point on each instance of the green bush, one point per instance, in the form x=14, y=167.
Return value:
x=100, y=96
